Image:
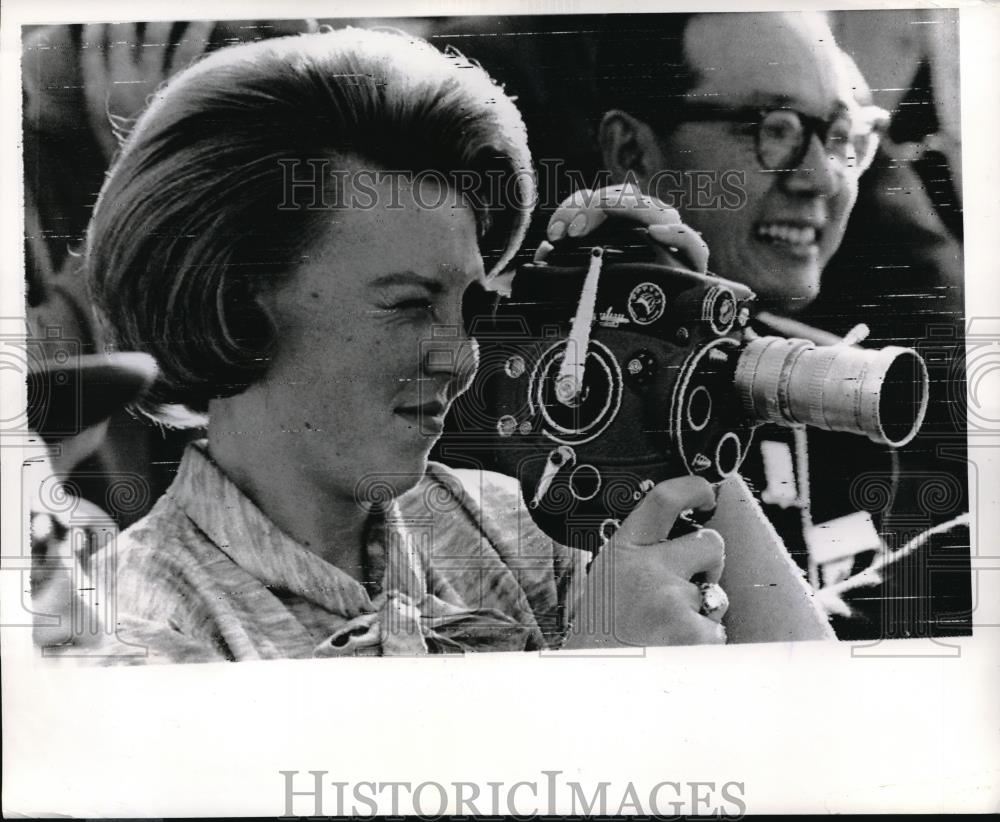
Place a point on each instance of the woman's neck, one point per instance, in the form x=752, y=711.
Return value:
x=260, y=463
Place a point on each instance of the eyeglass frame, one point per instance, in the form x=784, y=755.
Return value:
x=705, y=111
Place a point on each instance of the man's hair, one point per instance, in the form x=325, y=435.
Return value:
x=641, y=65
x=565, y=72
x=187, y=230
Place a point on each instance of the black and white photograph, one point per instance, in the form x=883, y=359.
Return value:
x=604, y=372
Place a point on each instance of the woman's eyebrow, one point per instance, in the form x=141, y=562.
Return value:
x=407, y=278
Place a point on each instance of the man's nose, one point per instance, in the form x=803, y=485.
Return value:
x=818, y=173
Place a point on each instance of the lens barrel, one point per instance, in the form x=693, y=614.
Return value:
x=881, y=393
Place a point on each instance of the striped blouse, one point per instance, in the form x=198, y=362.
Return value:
x=206, y=576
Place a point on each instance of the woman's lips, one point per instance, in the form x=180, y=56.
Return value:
x=427, y=418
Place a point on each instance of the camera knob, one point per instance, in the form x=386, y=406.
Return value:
x=719, y=308
x=640, y=368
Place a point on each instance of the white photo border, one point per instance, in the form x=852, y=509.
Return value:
x=804, y=727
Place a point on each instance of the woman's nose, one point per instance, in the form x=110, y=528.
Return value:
x=452, y=354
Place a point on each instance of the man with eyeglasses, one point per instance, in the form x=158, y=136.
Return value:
x=769, y=98
x=758, y=128
x=772, y=102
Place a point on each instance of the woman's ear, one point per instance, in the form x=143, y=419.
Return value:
x=629, y=148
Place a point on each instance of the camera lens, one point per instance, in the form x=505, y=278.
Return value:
x=881, y=393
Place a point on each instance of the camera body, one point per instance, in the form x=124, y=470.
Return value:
x=605, y=372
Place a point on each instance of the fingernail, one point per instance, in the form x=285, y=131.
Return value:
x=578, y=226
x=544, y=249
x=691, y=519
x=557, y=230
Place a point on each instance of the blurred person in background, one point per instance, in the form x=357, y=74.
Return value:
x=83, y=87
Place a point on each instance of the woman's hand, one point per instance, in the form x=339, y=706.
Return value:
x=639, y=589
x=678, y=245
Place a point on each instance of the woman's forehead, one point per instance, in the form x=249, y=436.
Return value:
x=370, y=242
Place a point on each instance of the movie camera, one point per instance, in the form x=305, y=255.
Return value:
x=605, y=372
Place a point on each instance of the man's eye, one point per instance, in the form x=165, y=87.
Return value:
x=839, y=133
x=781, y=126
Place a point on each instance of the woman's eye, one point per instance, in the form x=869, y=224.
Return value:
x=420, y=305
x=413, y=306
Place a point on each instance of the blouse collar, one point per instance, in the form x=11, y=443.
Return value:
x=250, y=539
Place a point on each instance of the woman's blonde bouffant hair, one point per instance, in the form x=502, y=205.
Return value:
x=195, y=217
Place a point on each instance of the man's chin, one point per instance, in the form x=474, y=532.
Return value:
x=791, y=296
x=781, y=282
x=787, y=304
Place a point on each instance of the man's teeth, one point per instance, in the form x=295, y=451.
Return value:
x=782, y=232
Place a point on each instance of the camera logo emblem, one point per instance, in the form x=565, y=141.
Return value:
x=646, y=303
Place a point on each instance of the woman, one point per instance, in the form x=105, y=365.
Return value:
x=289, y=230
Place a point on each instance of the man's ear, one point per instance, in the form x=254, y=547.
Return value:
x=629, y=148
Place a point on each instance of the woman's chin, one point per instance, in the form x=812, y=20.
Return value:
x=400, y=475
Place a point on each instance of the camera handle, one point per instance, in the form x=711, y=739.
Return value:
x=569, y=382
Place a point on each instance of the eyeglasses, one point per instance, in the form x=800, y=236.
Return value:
x=783, y=135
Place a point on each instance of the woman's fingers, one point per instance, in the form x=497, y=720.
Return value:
x=651, y=520
x=641, y=583
x=632, y=596
x=701, y=554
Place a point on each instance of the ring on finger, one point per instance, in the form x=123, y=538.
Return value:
x=713, y=598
